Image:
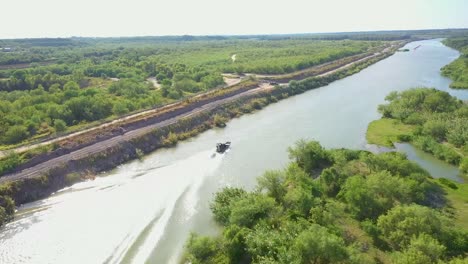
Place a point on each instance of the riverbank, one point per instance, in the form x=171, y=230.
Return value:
x=430, y=120
x=458, y=69
x=25, y=157
x=433, y=122
x=144, y=210
x=81, y=167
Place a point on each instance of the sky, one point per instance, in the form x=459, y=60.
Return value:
x=113, y=18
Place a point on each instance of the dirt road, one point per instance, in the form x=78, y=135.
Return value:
x=102, y=145
x=229, y=79
x=41, y=168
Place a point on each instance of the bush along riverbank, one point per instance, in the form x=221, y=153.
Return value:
x=458, y=69
x=335, y=206
x=431, y=120
x=31, y=189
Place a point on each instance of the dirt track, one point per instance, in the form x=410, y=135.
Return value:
x=42, y=168
x=95, y=148
x=229, y=81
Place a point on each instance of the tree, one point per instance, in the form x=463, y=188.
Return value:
x=301, y=191
x=120, y=108
x=401, y=223
x=273, y=183
x=70, y=86
x=332, y=180
x=436, y=129
x=421, y=250
x=309, y=155
x=371, y=196
x=234, y=241
x=222, y=204
x=201, y=250
x=316, y=245
x=250, y=209
x=15, y=134
x=60, y=125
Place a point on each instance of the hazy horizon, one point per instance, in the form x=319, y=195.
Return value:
x=106, y=18
x=235, y=35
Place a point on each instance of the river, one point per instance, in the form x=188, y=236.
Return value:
x=143, y=211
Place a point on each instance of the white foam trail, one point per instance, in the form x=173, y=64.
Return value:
x=114, y=211
x=193, y=171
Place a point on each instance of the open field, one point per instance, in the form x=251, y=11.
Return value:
x=385, y=132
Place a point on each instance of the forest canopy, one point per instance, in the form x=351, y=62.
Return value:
x=48, y=86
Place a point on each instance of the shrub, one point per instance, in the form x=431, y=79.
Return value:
x=60, y=125
x=171, y=139
x=10, y=162
x=15, y=134
x=448, y=183
x=219, y=120
x=222, y=204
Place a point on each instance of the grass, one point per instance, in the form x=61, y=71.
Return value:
x=385, y=132
x=459, y=201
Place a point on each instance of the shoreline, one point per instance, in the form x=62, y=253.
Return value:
x=32, y=188
x=314, y=71
x=379, y=135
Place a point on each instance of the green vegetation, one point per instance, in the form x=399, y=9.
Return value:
x=430, y=119
x=7, y=209
x=10, y=162
x=458, y=195
x=26, y=190
x=336, y=206
x=458, y=69
x=7, y=164
x=13, y=160
x=58, y=85
x=29, y=189
x=385, y=131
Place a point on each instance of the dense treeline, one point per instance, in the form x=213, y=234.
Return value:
x=151, y=59
x=440, y=122
x=334, y=206
x=458, y=69
x=26, y=114
x=270, y=57
x=91, y=80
